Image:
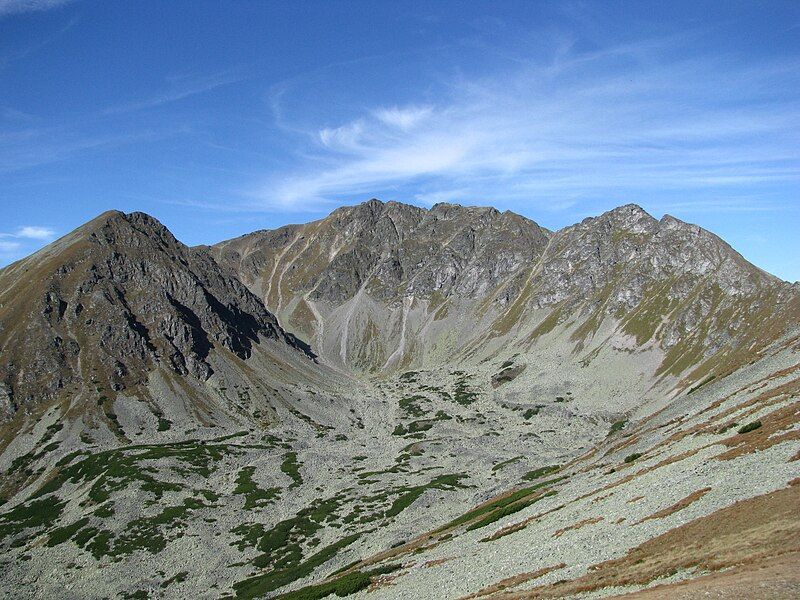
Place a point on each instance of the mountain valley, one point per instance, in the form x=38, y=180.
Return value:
x=399, y=402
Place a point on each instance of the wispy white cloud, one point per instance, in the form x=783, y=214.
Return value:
x=9, y=246
x=431, y=198
x=34, y=232
x=13, y=7
x=29, y=232
x=343, y=138
x=23, y=240
x=178, y=88
x=33, y=147
x=8, y=113
x=637, y=116
x=35, y=45
x=403, y=117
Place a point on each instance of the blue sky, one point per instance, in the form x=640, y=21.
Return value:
x=223, y=118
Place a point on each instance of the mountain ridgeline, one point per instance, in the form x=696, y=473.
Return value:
x=390, y=286
x=397, y=402
x=376, y=288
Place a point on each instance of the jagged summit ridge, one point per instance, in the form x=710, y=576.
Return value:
x=379, y=284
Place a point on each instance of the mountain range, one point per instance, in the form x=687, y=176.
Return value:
x=391, y=401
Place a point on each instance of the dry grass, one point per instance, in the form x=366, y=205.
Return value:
x=514, y=527
x=757, y=529
x=511, y=582
x=601, y=498
x=679, y=505
x=435, y=563
x=771, y=579
x=777, y=427
x=382, y=581
x=577, y=525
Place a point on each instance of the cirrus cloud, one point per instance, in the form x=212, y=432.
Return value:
x=630, y=118
x=12, y=7
x=24, y=240
x=34, y=232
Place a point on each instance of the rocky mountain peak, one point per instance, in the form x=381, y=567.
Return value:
x=629, y=217
x=119, y=297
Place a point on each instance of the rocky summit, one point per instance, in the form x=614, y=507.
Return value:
x=398, y=402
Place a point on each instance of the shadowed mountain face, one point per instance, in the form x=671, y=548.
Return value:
x=468, y=406
x=108, y=303
x=383, y=286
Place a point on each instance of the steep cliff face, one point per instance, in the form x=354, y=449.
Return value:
x=380, y=286
x=113, y=300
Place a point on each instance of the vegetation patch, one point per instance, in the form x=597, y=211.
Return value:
x=410, y=405
x=114, y=470
x=421, y=425
x=508, y=373
x=541, y=472
x=617, y=426
x=705, y=381
x=272, y=580
x=342, y=586
x=519, y=525
x=177, y=578
x=443, y=482
x=63, y=534
x=254, y=496
x=505, y=463
x=291, y=468
x=19, y=472
x=509, y=509
x=281, y=546
x=489, y=508
x=531, y=412
x=409, y=377
x=146, y=533
x=104, y=473
x=727, y=427
x=462, y=394
x=33, y=514
x=750, y=427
